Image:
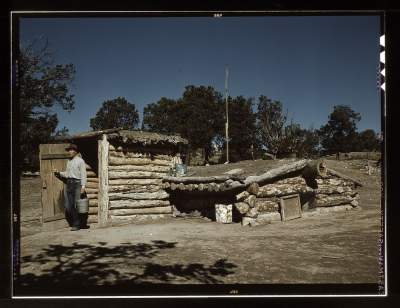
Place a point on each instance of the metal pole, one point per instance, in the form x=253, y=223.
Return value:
x=227, y=116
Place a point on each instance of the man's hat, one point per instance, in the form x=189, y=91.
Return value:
x=72, y=147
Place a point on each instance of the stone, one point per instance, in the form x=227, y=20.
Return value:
x=248, y=221
x=253, y=213
x=354, y=203
x=251, y=200
x=268, y=218
x=235, y=171
x=243, y=195
x=242, y=207
x=223, y=213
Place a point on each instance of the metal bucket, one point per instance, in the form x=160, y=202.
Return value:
x=181, y=169
x=82, y=205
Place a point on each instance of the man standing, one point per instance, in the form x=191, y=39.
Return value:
x=75, y=176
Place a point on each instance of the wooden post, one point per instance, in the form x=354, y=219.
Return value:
x=103, y=147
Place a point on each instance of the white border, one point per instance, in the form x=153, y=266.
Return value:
x=359, y=13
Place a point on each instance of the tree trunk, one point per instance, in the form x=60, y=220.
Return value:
x=139, y=196
x=150, y=210
x=134, y=175
x=134, y=204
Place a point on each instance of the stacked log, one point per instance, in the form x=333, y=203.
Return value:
x=135, y=183
x=92, y=190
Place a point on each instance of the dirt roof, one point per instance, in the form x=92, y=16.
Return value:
x=129, y=136
x=141, y=137
x=249, y=167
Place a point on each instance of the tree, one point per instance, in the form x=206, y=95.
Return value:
x=42, y=85
x=270, y=123
x=242, y=129
x=368, y=140
x=162, y=116
x=339, y=134
x=115, y=113
x=303, y=142
x=197, y=116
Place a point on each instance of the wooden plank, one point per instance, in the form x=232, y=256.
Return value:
x=150, y=210
x=55, y=156
x=58, y=186
x=134, y=204
x=103, y=146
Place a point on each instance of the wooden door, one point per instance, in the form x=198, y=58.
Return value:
x=52, y=156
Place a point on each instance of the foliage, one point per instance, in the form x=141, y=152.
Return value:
x=196, y=116
x=368, y=140
x=242, y=130
x=42, y=85
x=303, y=142
x=339, y=134
x=162, y=116
x=115, y=113
x=270, y=124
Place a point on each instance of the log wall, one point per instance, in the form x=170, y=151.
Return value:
x=92, y=190
x=262, y=205
x=135, y=188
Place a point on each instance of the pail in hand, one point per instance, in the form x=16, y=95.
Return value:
x=82, y=205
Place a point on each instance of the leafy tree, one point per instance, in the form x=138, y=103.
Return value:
x=196, y=116
x=339, y=134
x=270, y=123
x=368, y=140
x=162, y=116
x=42, y=85
x=115, y=113
x=303, y=142
x=242, y=129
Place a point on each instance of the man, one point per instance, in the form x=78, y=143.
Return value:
x=75, y=176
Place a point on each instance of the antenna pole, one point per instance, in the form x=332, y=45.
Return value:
x=227, y=115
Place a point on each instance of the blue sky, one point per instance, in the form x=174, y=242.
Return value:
x=309, y=63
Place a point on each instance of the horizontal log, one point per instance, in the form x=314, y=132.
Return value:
x=127, y=148
x=92, y=185
x=159, y=195
x=242, y=207
x=266, y=205
x=91, y=196
x=93, y=210
x=135, y=182
x=293, y=180
x=289, y=170
x=332, y=200
x=335, y=181
x=201, y=179
x=241, y=196
x=135, y=153
x=133, y=204
x=137, y=217
x=343, y=176
x=93, y=202
x=150, y=167
x=134, y=188
x=90, y=190
x=331, y=189
x=282, y=190
x=92, y=219
x=93, y=180
x=149, y=210
x=91, y=174
x=137, y=161
x=135, y=175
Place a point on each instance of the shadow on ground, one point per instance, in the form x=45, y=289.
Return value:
x=83, y=268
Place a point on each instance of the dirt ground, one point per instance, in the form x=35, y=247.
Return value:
x=342, y=247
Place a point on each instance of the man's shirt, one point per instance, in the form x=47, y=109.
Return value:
x=76, y=168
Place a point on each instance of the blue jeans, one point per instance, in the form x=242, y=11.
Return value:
x=72, y=193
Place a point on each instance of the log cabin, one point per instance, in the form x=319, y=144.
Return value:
x=124, y=174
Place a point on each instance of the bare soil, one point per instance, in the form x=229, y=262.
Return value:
x=342, y=247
